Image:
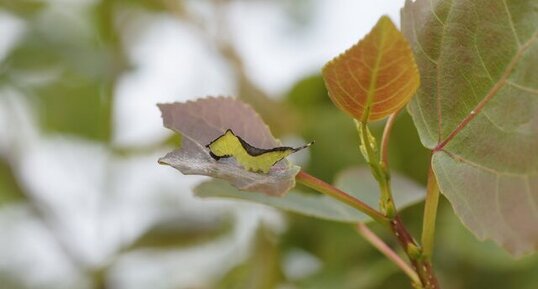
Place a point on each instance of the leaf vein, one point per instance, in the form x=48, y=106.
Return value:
x=435, y=14
x=479, y=54
x=404, y=100
x=511, y=23
x=357, y=81
x=491, y=93
x=485, y=113
x=522, y=87
x=402, y=73
x=437, y=81
x=506, y=173
x=532, y=201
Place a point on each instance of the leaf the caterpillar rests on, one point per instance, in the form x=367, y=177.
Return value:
x=251, y=158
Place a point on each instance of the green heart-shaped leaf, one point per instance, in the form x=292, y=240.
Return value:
x=477, y=109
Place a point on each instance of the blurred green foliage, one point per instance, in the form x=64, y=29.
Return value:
x=319, y=119
x=174, y=233
x=68, y=70
x=10, y=190
x=23, y=8
x=262, y=269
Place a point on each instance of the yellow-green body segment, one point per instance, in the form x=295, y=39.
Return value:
x=249, y=157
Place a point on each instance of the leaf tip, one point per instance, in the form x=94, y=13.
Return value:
x=163, y=161
x=385, y=20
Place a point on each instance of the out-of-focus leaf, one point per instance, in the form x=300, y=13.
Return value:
x=9, y=188
x=75, y=108
x=355, y=181
x=360, y=183
x=335, y=149
x=200, y=122
x=374, y=78
x=348, y=261
x=365, y=276
x=10, y=281
x=261, y=270
x=318, y=118
x=276, y=114
x=309, y=92
x=67, y=75
x=179, y=232
x=156, y=5
x=406, y=153
x=24, y=8
x=477, y=108
x=312, y=205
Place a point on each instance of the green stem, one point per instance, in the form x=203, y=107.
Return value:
x=430, y=214
x=327, y=189
x=387, y=251
x=379, y=171
x=385, y=140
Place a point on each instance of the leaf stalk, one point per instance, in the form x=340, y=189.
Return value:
x=314, y=183
x=430, y=214
x=373, y=239
x=385, y=140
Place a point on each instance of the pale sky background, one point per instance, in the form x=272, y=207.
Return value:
x=101, y=202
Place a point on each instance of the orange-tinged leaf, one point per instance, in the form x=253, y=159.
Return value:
x=375, y=77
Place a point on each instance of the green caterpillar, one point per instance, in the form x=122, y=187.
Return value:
x=251, y=158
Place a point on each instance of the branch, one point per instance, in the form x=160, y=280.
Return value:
x=387, y=251
x=327, y=189
x=380, y=170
